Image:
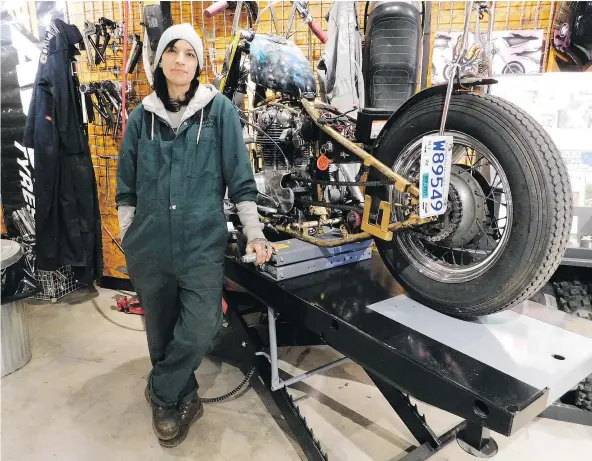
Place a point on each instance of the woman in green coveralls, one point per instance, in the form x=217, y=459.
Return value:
x=182, y=148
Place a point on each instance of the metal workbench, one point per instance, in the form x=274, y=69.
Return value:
x=498, y=372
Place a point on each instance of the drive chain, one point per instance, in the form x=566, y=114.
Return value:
x=455, y=218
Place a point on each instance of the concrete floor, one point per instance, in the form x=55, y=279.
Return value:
x=81, y=399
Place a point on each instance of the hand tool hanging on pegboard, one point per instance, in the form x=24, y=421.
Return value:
x=157, y=18
x=116, y=37
x=105, y=105
x=107, y=183
x=113, y=92
x=105, y=26
x=123, y=88
x=97, y=37
x=117, y=244
x=135, y=54
x=108, y=105
x=91, y=35
x=96, y=104
x=88, y=114
x=84, y=109
x=88, y=32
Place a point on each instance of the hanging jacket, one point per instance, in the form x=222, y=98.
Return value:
x=340, y=67
x=67, y=220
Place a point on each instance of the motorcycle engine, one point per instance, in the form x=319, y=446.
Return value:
x=279, y=143
x=286, y=167
x=281, y=155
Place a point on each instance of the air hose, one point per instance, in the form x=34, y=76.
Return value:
x=233, y=392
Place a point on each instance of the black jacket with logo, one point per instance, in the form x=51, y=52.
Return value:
x=67, y=217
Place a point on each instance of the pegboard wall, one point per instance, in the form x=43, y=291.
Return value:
x=449, y=16
x=215, y=33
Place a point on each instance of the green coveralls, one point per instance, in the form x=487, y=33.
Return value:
x=176, y=242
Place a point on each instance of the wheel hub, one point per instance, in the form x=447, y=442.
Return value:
x=472, y=205
x=466, y=210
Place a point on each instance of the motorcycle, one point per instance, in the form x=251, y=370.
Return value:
x=572, y=37
x=465, y=195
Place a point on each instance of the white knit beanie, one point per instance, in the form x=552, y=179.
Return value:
x=180, y=32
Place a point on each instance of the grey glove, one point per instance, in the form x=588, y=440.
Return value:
x=125, y=214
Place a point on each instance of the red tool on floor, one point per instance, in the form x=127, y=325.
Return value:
x=130, y=306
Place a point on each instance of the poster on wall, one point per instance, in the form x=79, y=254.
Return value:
x=562, y=103
x=514, y=52
x=20, y=52
x=17, y=161
x=571, y=45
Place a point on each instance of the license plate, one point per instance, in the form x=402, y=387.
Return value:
x=436, y=161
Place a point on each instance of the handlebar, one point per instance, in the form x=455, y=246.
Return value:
x=219, y=6
x=215, y=8
x=316, y=29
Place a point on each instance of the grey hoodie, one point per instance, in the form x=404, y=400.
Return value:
x=203, y=95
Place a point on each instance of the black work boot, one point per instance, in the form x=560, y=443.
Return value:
x=165, y=421
x=188, y=413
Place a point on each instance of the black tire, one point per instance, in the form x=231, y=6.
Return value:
x=584, y=394
x=574, y=298
x=541, y=196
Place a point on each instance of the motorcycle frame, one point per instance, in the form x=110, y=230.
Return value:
x=385, y=228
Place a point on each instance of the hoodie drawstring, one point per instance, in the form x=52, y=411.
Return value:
x=200, y=125
x=201, y=118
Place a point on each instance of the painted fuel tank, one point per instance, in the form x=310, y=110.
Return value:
x=278, y=64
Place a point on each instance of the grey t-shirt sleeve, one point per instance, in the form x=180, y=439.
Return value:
x=249, y=217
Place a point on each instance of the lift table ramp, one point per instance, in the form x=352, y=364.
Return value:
x=544, y=356
x=498, y=372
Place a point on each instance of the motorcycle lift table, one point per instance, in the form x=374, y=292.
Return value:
x=497, y=372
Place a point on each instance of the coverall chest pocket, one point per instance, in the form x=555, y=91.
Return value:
x=147, y=163
x=203, y=157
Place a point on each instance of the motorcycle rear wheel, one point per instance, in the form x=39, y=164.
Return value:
x=538, y=200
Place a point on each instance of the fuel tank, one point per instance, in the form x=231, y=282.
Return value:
x=278, y=64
